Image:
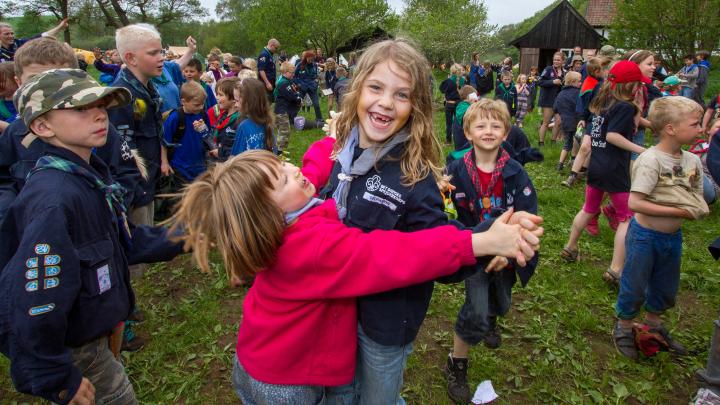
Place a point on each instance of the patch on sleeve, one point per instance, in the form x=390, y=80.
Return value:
x=51, y=282
x=31, y=274
x=41, y=309
x=42, y=249
x=52, y=260
x=103, y=277
x=31, y=262
x=52, y=271
x=527, y=191
x=31, y=286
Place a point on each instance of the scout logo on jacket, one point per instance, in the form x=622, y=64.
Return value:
x=103, y=277
x=374, y=184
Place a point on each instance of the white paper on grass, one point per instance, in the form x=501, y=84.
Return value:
x=484, y=393
x=327, y=92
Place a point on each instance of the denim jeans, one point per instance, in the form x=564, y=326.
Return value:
x=316, y=103
x=379, y=372
x=651, y=275
x=449, y=116
x=708, y=190
x=638, y=139
x=97, y=363
x=688, y=92
x=254, y=392
x=487, y=296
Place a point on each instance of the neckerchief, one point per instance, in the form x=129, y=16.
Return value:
x=506, y=90
x=588, y=85
x=350, y=170
x=224, y=120
x=291, y=216
x=114, y=192
x=147, y=93
x=4, y=112
x=484, y=195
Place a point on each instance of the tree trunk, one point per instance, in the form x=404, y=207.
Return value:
x=108, y=17
x=64, y=12
x=124, y=20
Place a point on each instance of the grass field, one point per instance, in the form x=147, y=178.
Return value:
x=556, y=338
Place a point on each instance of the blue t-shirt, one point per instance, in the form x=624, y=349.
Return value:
x=250, y=135
x=9, y=113
x=168, y=86
x=189, y=158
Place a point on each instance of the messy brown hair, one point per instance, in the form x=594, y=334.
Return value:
x=46, y=52
x=421, y=155
x=226, y=85
x=255, y=106
x=230, y=207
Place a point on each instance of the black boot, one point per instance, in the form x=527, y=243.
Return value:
x=493, y=340
x=709, y=377
x=456, y=372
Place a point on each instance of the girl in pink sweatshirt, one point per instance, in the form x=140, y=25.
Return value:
x=299, y=328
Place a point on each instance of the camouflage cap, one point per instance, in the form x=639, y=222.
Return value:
x=63, y=89
x=607, y=50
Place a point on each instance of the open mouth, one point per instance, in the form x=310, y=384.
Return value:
x=380, y=121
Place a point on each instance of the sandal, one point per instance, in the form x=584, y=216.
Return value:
x=611, y=277
x=624, y=341
x=569, y=255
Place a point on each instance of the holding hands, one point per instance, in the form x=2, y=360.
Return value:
x=512, y=235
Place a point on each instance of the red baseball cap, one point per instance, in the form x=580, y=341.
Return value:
x=626, y=72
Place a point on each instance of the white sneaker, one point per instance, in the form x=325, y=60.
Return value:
x=705, y=397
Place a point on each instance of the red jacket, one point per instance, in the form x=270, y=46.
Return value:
x=299, y=321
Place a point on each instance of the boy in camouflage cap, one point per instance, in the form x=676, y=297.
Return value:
x=66, y=247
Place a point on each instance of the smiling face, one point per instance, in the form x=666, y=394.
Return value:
x=384, y=105
x=238, y=99
x=291, y=189
x=77, y=129
x=647, y=66
x=224, y=101
x=486, y=133
x=7, y=36
x=557, y=61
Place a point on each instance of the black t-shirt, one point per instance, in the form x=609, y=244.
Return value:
x=609, y=168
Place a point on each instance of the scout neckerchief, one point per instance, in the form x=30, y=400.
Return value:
x=224, y=120
x=291, y=216
x=484, y=195
x=350, y=170
x=588, y=85
x=148, y=93
x=5, y=114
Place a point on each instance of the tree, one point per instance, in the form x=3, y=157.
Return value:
x=663, y=26
x=447, y=30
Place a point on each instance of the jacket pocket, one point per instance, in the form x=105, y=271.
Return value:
x=373, y=212
x=99, y=273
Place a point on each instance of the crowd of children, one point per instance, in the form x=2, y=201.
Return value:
x=81, y=164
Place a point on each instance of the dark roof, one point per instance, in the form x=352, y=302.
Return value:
x=563, y=27
x=363, y=40
x=600, y=12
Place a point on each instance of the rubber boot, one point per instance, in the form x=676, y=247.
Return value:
x=709, y=377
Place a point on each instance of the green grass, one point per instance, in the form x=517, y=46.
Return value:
x=556, y=347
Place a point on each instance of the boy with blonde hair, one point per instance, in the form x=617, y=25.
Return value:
x=487, y=182
x=287, y=103
x=564, y=106
x=667, y=187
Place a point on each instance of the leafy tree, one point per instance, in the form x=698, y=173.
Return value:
x=447, y=30
x=668, y=28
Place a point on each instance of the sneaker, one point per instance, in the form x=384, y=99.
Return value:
x=570, y=181
x=592, y=226
x=624, y=340
x=493, y=340
x=705, y=396
x=609, y=212
x=131, y=342
x=456, y=372
x=560, y=166
x=541, y=144
x=137, y=316
x=673, y=345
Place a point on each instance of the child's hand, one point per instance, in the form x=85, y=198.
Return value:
x=444, y=184
x=191, y=44
x=85, y=394
x=514, y=240
x=498, y=263
x=165, y=169
x=97, y=53
x=199, y=125
x=213, y=153
x=581, y=124
x=330, y=127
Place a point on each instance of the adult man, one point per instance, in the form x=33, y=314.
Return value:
x=576, y=51
x=266, y=67
x=9, y=44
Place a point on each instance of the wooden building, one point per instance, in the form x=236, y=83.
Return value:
x=562, y=28
x=600, y=14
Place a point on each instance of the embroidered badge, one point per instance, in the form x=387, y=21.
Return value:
x=42, y=249
x=52, y=271
x=51, y=282
x=31, y=274
x=103, y=278
x=373, y=183
x=527, y=191
x=509, y=198
x=31, y=262
x=31, y=286
x=379, y=200
x=41, y=309
x=52, y=260
x=459, y=195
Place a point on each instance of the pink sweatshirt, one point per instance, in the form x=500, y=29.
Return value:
x=299, y=321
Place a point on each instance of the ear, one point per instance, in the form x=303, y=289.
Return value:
x=17, y=81
x=128, y=58
x=41, y=127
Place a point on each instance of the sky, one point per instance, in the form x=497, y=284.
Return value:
x=500, y=12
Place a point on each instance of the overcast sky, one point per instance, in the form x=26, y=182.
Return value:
x=500, y=12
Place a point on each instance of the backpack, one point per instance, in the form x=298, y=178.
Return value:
x=179, y=131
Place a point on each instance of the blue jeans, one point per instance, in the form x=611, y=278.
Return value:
x=379, y=372
x=449, y=116
x=487, y=296
x=638, y=139
x=316, y=103
x=688, y=92
x=708, y=190
x=253, y=392
x=651, y=275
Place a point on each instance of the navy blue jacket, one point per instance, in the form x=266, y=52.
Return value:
x=65, y=279
x=306, y=77
x=377, y=200
x=548, y=89
x=713, y=158
x=449, y=88
x=565, y=105
x=16, y=161
x=266, y=63
x=509, y=96
x=582, y=108
x=287, y=100
x=519, y=193
x=143, y=132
